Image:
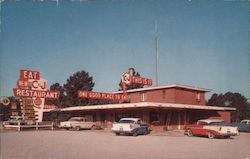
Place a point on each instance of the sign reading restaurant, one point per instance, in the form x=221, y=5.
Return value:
x=31, y=89
x=33, y=93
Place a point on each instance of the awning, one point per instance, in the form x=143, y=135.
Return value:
x=145, y=105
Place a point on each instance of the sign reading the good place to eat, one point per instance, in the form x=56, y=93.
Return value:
x=31, y=89
x=126, y=79
x=100, y=95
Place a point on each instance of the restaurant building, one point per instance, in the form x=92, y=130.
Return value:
x=163, y=107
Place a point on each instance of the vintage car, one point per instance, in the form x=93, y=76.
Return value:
x=211, y=128
x=243, y=126
x=130, y=126
x=77, y=123
x=15, y=120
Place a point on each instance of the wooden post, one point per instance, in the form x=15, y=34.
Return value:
x=179, y=120
x=185, y=117
x=19, y=126
x=52, y=125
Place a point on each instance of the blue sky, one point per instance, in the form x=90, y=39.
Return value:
x=201, y=43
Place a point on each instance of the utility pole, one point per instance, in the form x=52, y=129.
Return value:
x=156, y=54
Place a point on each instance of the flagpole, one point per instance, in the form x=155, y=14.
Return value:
x=156, y=54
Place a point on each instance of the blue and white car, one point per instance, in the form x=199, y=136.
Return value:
x=130, y=126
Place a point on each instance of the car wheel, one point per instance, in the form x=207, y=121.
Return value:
x=93, y=127
x=117, y=134
x=189, y=133
x=146, y=131
x=210, y=135
x=135, y=133
x=77, y=128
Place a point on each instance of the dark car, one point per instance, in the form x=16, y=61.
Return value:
x=243, y=126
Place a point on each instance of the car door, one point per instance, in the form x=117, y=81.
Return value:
x=199, y=129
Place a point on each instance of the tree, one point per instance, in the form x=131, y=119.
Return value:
x=133, y=85
x=60, y=101
x=235, y=100
x=5, y=110
x=78, y=81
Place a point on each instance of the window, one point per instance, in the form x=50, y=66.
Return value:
x=139, y=122
x=164, y=94
x=198, y=96
x=126, y=121
x=202, y=123
x=154, y=118
x=143, y=97
x=244, y=122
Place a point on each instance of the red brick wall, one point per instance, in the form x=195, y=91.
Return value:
x=160, y=96
x=134, y=97
x=184, y=96
x=171, y=95
x=224, y=115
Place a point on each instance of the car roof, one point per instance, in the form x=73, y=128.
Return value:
x=134, y=119
x=78, y=118
x=245, y=120
x=211, y=120
x=16, y=117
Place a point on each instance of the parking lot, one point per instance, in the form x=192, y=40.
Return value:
x=90, y=144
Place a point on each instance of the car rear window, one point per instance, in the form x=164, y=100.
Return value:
x=218, y=123
x=74, y=119
x=202, y=123
x=126, y=121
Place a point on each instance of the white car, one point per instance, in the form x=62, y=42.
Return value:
x=15, y=120
x=132, y=126
x=77, y=123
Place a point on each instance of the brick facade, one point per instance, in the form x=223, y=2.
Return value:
x=158, y=117
x=169, y=95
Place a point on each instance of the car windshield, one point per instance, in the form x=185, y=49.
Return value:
x=74, y=119
x=126, y=121
x=218, y=123
x=202, y=123
x=16, y=118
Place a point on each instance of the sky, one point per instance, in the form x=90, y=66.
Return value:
x=201, y=43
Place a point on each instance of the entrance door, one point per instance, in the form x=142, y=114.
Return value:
x=103, y=120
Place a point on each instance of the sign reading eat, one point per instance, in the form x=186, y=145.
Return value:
x=28, y=74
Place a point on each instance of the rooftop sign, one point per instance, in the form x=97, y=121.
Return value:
x=127, y=79
x=100, y=95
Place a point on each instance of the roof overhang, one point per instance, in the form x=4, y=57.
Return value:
x=145, y=105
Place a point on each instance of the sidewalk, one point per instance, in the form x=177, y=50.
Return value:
x=173, y=133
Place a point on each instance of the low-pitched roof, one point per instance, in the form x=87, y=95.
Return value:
x=166, y=86
x=146, y=105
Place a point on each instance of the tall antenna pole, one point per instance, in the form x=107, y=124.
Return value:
x=156, y=54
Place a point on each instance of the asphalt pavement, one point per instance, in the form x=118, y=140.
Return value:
x=102, y=144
